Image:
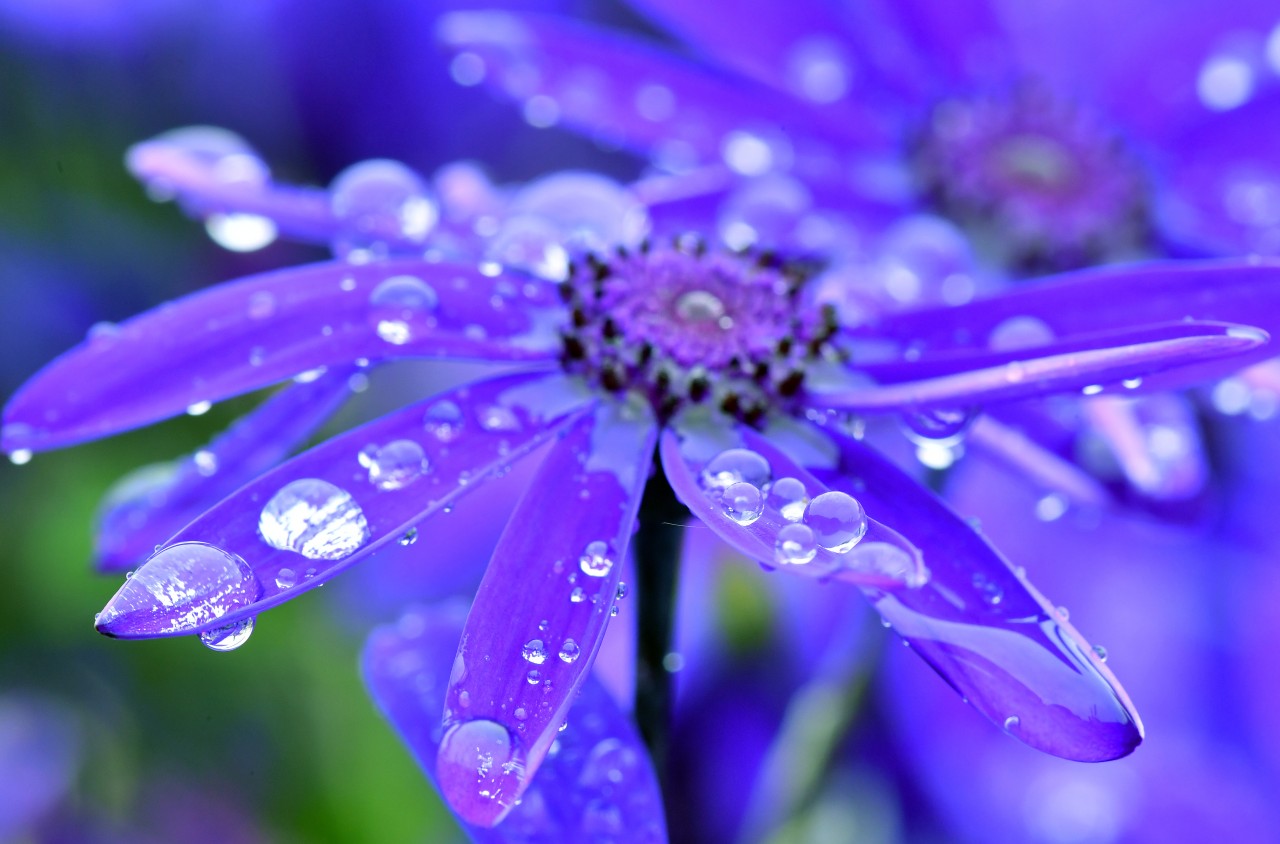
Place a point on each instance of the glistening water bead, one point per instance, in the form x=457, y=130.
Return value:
x=402, y=308
x=743, y=502
x=228, y=638
x=788, y=497
x=596, y=559
x=736, y=465
x=837, y=520
x=314, y=518
x=795, y=545
x=480, y=770
x=395, y=465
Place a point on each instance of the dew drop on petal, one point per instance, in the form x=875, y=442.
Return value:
x=229, y=637
x=314, y=518
x=937, y=426
x=402, y=308
x=443, y=420
x=377, y=201
x=1011, y=723
x=241, y=232
x=795, y=545
x=577, y=596
x=534, y=652
x=734, y=465
x=498, y=418
x=286, y=578
x=1100, y=652
x=788, y=497
x=569, y=652
x=837, y=520
x=396, y=464
x=409, y=537
x=480, y=769
x=597, y=559
x=743, y=503
x=531, y=243
x=1019, y=332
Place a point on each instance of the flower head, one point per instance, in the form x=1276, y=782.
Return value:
x=725, y=366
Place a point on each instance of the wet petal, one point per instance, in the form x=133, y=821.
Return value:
x=205, y=171
x=149, y=506
x=785, y=502
x=639, y=95
x=986, y=630
x=596, y=781
x=1117, y=362
x=542, y=609
x=262, y=329
x=334, y=505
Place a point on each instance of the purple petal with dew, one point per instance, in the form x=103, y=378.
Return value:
x=152, y=504
x=262, y=329
x=542, y=609
x=1009, y=376
x=643, y=97
x=1220, y=188
x=799, y=47
x=596, y=782
x=1156, y=441
x=214, y=174
x=769, y=507
x=986, y=630
x=334, y=505
x=1031, y=460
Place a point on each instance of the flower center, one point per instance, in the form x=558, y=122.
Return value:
x=680, y=325
x=1039, y=185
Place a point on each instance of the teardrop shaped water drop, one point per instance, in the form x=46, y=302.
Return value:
x=229, y=637
x=480, y=768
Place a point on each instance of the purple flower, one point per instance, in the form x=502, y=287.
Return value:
x=1034, y=125
x=725, y=366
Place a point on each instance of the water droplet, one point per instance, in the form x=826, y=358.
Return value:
x=184, y=586
x=937, y=426
x=496, y=418
x=1100, y=652
x=795, y=545
x=743, y=503
x=1020, y=332
x=1062, y=613
x=409, y=537
x=241, y=232
x=534, y=677
x=991, y=592
x=577, y=596
x=733, y=466
x=20, y=456
x=377, y=202
x=534, y=651
x=200, y=408
x=396, y=464
x=597, y=559
x=837, y=520
x=699, y=308
x=569, y=651
x=1011, y=723
x=530, y=243
x=229, y=637
x=788, y=497
x=443, y=420
x=402, y=308
x=480, y=769
x=316, y=519
x=286, y=578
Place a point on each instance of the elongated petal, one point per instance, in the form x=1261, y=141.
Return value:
x=986, y=630
x=636, y=94
x=596, y=783
x=783, y=489
x=334, y=505
x=541, y=610
x=206, y=185
x=139, y=515
x=262, y=329
x=1038, y=372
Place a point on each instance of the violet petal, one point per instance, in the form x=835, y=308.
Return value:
x=542, y=608
x=635, y=94
x=986, y=630
x=332, y=506
x=262, y=329
x=881, y=558
x=144, y=510
x=596, y=782
x=1156, y=441
x=1136, y=354
x=1031, y=460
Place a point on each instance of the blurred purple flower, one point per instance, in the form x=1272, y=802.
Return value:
x=726, y=365
x=1031, y=124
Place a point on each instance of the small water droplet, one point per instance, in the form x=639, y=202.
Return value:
x=229, y=637
x=733, y=466
x=795, y=545
x=596, y=559
x=408, y=537
x=1100, y=652
x=377, y=202
x=241, y=232
x=534, y=677
x=200, y=408
x=991, y=592
x=443, y=420
x=495, y=418
x=314, y=518
x=938, y=426
x=743, y=502
x=1011, y=723
x=395, y=465
x=402, y=308
x=788, y=497
x=20, y=456
x=286, y=578
x=837, y=520
x=569, y=651
x=577, y=596
x=534, y=651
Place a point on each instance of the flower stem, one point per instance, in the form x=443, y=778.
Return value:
x=657, y=556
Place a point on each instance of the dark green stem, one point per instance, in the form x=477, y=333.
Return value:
x=657, y=556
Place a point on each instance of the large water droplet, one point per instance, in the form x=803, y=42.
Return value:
x=788, y=497
x=837, y=520
x=480, y=770
x=183, y=586
x=378, y=201
x=795, y=545
x=402, y=308
x=743, y=503
x=734, y=465
x=396, y=464
x=228, y=638
x=316, y=519
x=530, y=243
x=597, y=559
